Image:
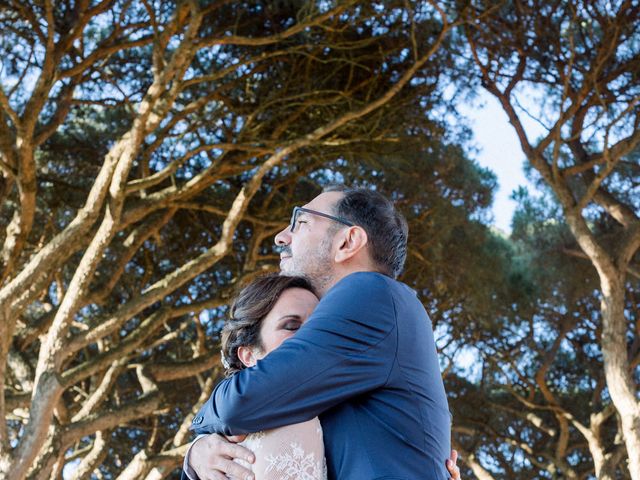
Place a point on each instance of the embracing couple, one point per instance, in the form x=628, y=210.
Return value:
x=355, y=391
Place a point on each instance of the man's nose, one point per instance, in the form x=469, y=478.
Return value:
x=283, y=238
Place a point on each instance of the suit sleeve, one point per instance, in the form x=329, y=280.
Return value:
x=346, y=348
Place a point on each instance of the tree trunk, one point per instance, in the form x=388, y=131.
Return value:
x=616, y=365
x=603, y=468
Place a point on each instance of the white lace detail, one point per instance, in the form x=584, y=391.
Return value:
x=294, y=452
x=254, y=441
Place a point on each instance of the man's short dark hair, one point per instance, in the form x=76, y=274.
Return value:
x=386, y=227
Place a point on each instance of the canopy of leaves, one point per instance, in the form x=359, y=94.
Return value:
x=150, y=152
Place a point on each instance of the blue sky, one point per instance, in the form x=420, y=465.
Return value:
x=499, y=151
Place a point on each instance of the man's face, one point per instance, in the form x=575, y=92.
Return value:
x=308, y=250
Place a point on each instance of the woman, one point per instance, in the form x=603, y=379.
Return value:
x=265, y=314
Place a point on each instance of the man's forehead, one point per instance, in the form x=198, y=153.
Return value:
x=325, y=201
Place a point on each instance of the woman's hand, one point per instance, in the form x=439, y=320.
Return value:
x=452, y=465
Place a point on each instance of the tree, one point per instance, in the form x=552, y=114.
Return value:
x=583, y=58
x=149, y=151
x=538, y=406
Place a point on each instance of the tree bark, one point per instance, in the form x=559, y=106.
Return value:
x=617, y=368
x=89, y=301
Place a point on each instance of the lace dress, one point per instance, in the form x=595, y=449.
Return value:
x=293, y=452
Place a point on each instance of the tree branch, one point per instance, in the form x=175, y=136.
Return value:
x=101, y=392
x=143, y=407
x=91, y=460
x=291, y=31
x=166, y=372
x=631, y=270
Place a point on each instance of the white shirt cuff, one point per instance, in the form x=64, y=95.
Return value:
x=186, y=468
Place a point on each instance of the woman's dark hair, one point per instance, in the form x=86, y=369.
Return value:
x=386, y=227
x=253, y=303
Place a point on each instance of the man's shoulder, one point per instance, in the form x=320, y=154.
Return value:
x=361, y=293
x=370, y=283
x=359, y=287
x=361, y=280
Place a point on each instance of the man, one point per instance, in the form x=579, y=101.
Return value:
x=365, y=362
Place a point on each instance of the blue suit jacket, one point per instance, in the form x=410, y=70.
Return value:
x=365, y=362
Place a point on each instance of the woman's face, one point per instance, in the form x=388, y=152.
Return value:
x=285, y=318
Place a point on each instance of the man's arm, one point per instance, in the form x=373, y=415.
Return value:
x=346, y=348
x=211, y=457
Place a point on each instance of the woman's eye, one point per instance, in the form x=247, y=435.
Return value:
x=301, y=221
x=292, y=326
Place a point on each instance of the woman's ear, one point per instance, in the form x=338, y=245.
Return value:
x=247, y=356
x=352, y=241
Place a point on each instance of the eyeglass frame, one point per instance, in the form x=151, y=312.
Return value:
x=297, y=210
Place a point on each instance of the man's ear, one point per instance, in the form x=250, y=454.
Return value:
x=246, y=356
x=352, y=241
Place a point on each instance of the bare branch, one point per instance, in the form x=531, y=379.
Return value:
x=620, y=211
x=100, y=362
x=165, y=372
x=64, y=106
x=142, y=407
x=131, y=246
x=159, y=177
x=631, y=270
x=207, y=387
x=291, y=31
x=101, y=392
x=478, y=470
x=102, y=53
x=7, y=110
x=95, y=457
x=14, y=400
x=205, y=207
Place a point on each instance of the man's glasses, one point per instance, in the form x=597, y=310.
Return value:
x=298, y=210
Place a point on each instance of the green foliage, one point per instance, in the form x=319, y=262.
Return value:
x=541, y=378
x=239, y=102
x=525, y=308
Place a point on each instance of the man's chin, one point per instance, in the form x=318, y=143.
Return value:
x=284, y=265
x=288, y=268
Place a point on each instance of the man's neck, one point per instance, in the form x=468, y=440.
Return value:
x=339, y=275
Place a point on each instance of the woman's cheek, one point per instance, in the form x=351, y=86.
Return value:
x=286, y=335
x=277, y=340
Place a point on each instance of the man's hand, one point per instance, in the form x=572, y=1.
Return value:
x=452, y=467
x=211, y=457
